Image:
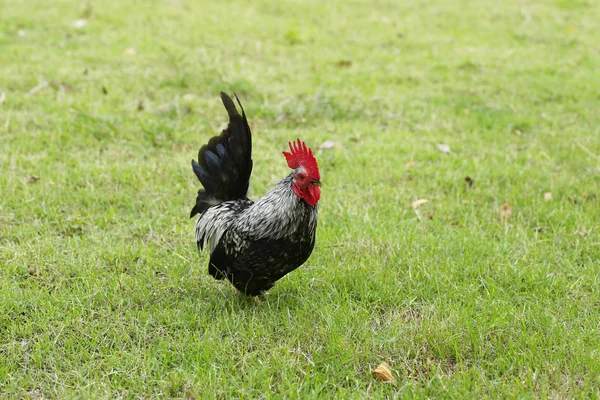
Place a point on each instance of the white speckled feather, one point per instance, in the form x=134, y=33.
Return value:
x=279, y=214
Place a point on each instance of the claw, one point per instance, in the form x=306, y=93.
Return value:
x=255, y=299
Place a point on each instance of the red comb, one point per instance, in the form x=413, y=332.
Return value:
x=301, y=155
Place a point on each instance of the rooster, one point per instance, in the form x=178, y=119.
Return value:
x=253, y=244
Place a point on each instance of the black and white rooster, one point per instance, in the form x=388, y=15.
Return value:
x=253, y=244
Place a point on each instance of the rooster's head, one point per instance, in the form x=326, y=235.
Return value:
x=307, y=180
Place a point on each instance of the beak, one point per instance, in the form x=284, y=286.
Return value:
x=316, y=182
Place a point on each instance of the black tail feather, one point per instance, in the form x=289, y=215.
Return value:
x=225, y=163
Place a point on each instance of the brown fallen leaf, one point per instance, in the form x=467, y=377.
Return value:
x=384, y=373
x=469, y=181
x=32, y=271
x=444, y=148
x=505, y=211
x=418, y=203
x=547, y=196
x=328, y=144
x=140, y=106
x=33, y=179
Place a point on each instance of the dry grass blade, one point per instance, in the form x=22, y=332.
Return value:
x=41, y=86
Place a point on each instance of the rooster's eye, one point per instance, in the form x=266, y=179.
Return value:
x=300, y=176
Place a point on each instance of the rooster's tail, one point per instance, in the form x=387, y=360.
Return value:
x=225, y=162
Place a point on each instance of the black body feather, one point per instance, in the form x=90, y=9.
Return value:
x=254, y=265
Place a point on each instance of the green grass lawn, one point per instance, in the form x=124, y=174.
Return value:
x=104, y=294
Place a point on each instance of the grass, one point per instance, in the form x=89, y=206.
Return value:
x=104, y=295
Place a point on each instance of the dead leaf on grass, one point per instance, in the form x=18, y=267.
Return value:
x=344, y=63
x=505, y=211
x=80, y=23
x=33, y=179
x=32, y=271
x=444, y=148
x=328, y=144
x=547, y=196
x=469, y=181
x=418, y=203
x=384, y=373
